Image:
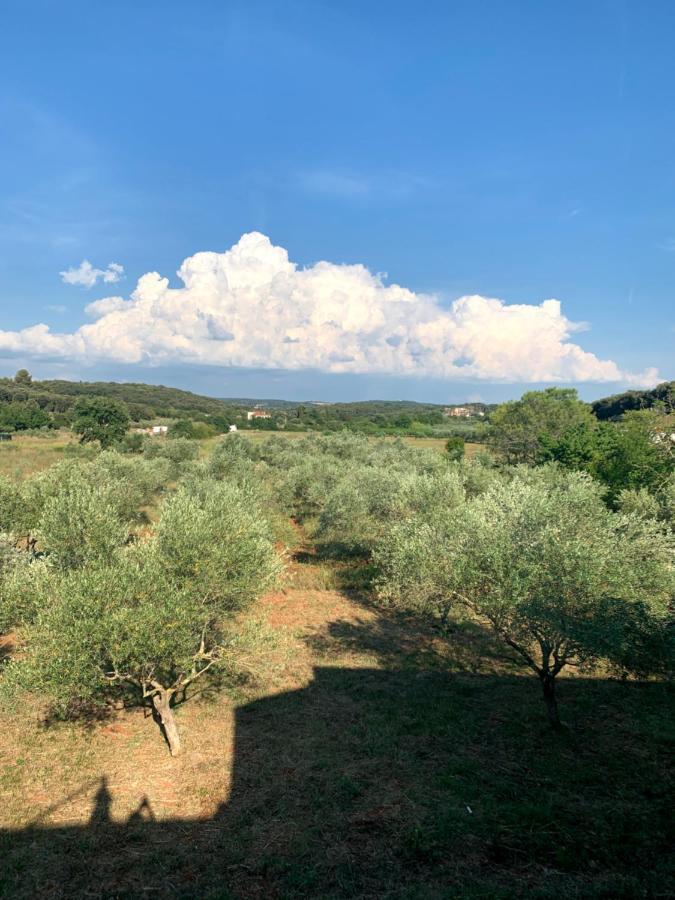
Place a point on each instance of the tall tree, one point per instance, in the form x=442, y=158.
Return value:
x=636, y=452
x=100, y=419
x=524, y=430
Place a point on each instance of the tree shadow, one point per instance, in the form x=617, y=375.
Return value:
x=399, y=640
x=396, y=783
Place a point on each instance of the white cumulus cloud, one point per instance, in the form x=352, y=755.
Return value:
x=252, y=307
x=87, y=275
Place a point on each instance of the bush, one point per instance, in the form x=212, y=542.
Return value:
x=177, y=451
x=454, y=447
x=10, y=506
x=183, y=428
x=639, y=503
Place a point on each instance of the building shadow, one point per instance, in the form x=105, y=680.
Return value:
x=376, y=783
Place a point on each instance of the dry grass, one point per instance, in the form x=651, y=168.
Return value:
x=26, y=454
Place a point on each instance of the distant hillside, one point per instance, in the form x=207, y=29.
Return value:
x=145, y=401
x=618, y=404
x=27, y=404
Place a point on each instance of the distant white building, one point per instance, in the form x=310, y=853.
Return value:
x=160, y=429
x=257, y=414
x=464, y=412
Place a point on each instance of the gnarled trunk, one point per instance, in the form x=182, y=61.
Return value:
x=161, y=702
x=548, y=686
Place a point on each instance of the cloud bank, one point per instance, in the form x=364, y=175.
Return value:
x=251, y=307
x=86, y=275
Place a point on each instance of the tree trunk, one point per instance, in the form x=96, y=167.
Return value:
x=161, y=702
x=548, y=685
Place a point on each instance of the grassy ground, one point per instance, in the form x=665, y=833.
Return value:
x=357, y=754
x=26, y=454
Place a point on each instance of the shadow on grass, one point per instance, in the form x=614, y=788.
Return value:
x=400, y=641
x=396, y=784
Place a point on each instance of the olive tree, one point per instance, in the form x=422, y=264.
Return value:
x=149, y=621
x=80, y=525
x=10, y=506
x=368, y=500
x=412, y=568
x=562, y=580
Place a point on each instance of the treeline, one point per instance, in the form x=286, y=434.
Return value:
x=379, y=417
x=612, y=407
x=27, y=404
x=635, y=452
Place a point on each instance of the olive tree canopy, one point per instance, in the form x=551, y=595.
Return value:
x=562, y=579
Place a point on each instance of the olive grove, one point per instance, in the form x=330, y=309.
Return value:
x=101, y=609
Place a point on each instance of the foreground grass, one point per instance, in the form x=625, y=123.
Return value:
x=358, y=754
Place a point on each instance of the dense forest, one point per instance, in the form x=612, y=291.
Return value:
x=614, y=406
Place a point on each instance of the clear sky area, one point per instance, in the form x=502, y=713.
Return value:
x=439, y=201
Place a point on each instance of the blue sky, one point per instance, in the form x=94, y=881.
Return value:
x=512, y=150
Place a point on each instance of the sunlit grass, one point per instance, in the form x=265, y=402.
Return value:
x=26, y=454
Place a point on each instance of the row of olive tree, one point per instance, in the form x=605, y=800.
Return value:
x=99, y=611
x=535, y=553
x=348, y=490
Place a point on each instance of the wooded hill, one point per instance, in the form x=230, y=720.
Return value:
x=616, y=405
x=27, y=404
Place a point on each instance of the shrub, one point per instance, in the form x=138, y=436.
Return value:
x=10, y=506
x=454, y=447
x=639, y=503
x=177, y=450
